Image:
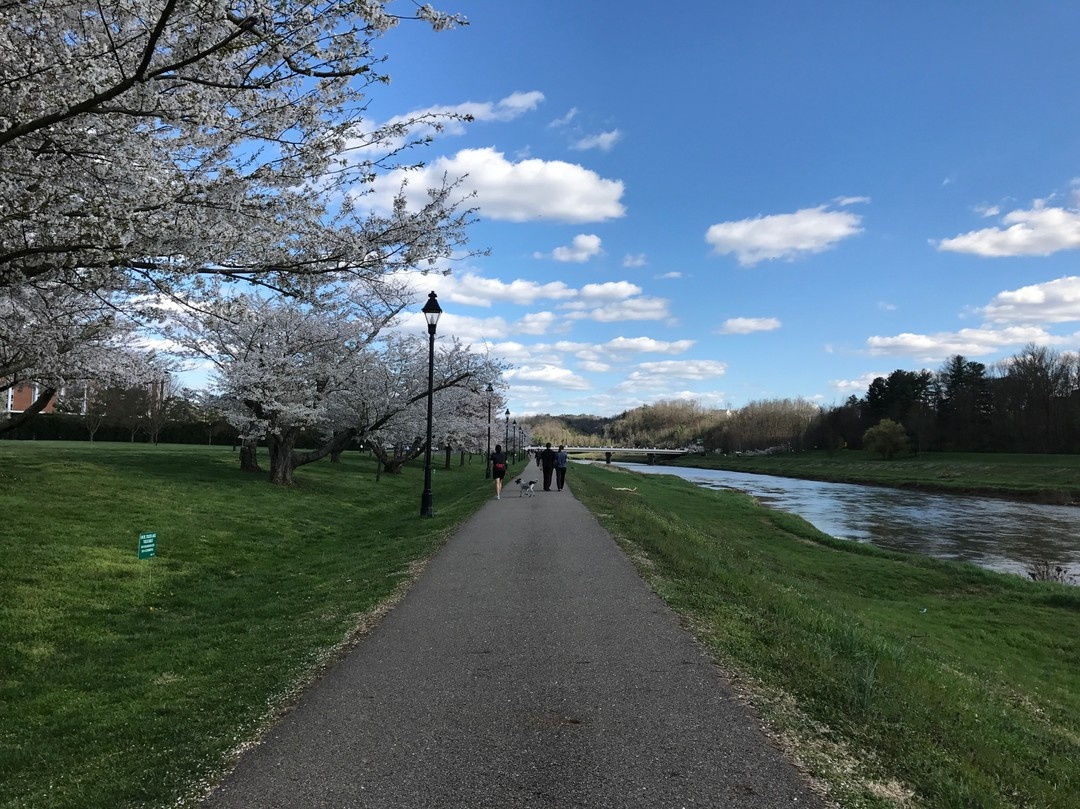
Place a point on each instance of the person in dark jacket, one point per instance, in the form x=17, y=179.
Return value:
x=547, y=461
x=498, y=469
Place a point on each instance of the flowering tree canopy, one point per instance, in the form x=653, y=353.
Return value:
x=152, y=147
x=157, y=138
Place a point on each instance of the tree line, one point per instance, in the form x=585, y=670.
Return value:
x=1026, y=403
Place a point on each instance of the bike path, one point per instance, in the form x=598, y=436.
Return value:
x=528, y=666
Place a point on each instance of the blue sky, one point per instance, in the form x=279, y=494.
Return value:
x=733, y=202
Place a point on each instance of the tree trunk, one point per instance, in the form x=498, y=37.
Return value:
x=281, y=456
x=16, y=421
x=393, y=465
x=249, y=455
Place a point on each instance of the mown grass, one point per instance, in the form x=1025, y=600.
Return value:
x=123, y=682
x=1043, y=478
x=901, y=679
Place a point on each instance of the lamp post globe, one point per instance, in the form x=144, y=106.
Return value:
x=431, y=311
x=487, y=464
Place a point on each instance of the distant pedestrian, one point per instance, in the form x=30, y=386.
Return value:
x=538, y=453
x=560, y=466
x=498, y=469
x=547, y=460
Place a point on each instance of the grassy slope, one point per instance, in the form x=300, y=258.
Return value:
x=900, y=675
x=1043, y=478
x=122, y=681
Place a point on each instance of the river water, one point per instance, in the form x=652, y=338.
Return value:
x=998, y=534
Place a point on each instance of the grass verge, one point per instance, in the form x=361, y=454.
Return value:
x=1039, y=478
x=899, y=680
x=125, y=681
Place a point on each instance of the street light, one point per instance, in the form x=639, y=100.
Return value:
x=506, y=438
x=515, y=441
x=431, y=311
x=487, y=464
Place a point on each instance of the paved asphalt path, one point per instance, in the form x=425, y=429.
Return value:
x=529, y=666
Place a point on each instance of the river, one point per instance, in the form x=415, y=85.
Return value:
x=1001, y=535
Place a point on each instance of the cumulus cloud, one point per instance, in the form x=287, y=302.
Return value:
x=663, y=371
x=634, y=260
x=470, y=289
x=787, y=236
x=669, y=276
x=505, y=190
x=1038, y=231
x=747, y=325
x=603, y=141
x=647, y=345
x=583, y=247
x=547, y=375
x=856, y=386
x=637, y=308
x=969, y=342
x=1055, y=301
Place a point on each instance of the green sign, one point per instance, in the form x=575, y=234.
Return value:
x=147, y=545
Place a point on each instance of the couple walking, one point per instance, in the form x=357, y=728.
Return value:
x=553, y=461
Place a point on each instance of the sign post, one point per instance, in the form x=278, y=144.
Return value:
x=147, y=544
x=147, y=549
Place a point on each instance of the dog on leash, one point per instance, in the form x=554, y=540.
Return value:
x=528, y=488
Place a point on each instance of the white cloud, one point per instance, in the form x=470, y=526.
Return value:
x=583, y=247
x=547, y=375
x=471, y=289
x=856, y=386
x=647, y=345
x=969, y=342
x=669, y=275
x=603, y=141
x=634, y=260
x=536, y=323
x=663, y=371
x=1039, y=231
x=520, y=191
x=810, y=230
x=1055, y=301
x=448, y=117
x=885, y=306
x=628, y=309
x=571, y=114
x=746, y=325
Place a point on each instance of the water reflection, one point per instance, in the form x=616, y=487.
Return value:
x=997, y=534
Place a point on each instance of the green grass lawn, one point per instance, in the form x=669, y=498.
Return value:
x=124, y=681
x=1045, y=478
x=901, y=680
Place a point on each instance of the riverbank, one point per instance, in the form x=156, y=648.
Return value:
x=897, y=679
x=1050, y=479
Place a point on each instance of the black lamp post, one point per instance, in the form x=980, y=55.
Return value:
x=487, y=464
x=431, y=311
x=506, y=438
x=515, y=441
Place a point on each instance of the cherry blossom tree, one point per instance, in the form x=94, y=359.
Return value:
x=154, y=139
x=55, y=336
x=321, y=366
x=149, y=145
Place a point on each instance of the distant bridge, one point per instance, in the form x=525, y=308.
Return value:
x=651, y=452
